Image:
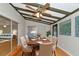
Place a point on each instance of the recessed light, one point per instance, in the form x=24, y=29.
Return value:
x=4, y=26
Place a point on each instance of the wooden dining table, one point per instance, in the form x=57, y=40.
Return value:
x=35, y=44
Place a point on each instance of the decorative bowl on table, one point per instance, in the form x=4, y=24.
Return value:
x=44, y=39
x=40, y=42
x=33, y=39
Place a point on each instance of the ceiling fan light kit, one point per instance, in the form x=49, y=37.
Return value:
x=38, y=15
x=40, y=10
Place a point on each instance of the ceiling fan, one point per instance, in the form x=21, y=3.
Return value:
x=40, y=10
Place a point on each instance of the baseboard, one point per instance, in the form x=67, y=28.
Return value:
x=65, y=51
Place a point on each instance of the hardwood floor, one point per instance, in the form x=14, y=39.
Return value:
x=3, y=52
x=5, y=47
x=60, y=52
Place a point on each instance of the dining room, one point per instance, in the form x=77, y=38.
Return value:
x=39, y=29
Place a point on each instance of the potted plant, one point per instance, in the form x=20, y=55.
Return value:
x=48, y=33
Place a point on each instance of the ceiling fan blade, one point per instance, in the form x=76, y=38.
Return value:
x=30, y=8
x=47, y=5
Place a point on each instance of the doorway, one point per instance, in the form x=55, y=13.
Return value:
x=55, y=30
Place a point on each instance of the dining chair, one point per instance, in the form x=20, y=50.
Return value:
x=45, y=49
x=16, y=52
x=27, y=50
x=27, y=39
x=55, y=42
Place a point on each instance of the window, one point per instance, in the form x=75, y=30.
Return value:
x=65, y=28
x=8, y=35
x=77, y=26
x=32, y=32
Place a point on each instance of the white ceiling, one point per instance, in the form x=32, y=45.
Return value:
x=62, y=6
x=68, y=7
x=42, y=16
x=25, y=12
x=54, y=13
x=36, y=18
x=49, y=18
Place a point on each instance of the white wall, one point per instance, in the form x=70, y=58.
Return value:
x=8, y=11
x=69, y=43
x=42, y=28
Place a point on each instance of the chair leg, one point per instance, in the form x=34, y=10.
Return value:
x=26, y=53
x=54, y=53
x=22, y=53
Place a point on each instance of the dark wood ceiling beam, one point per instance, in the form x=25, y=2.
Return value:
x=51, y=8
x=25, y=18
x=44, y=14
x=24, y=10
x=68, y=14
x=48, y=19
x=36, y=20
x=48, y=15
x=31, y=16
x=36, y=17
